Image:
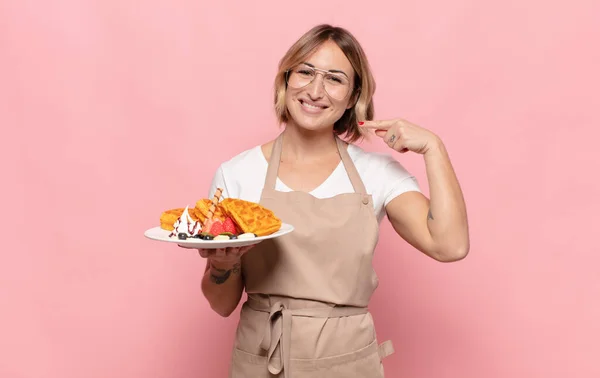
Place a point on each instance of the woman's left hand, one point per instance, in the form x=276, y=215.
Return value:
x=402, y=135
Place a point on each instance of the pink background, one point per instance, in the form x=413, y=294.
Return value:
x=113, y=111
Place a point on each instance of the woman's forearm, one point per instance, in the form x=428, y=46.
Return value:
x=222, y=285
x=447, y=218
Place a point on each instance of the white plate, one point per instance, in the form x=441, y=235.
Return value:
x=159, y=234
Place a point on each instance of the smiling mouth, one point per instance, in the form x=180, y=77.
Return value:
x=312, y=106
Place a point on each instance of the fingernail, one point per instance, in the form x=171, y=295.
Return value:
x=361, y=123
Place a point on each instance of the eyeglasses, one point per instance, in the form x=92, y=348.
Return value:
x=337, y=85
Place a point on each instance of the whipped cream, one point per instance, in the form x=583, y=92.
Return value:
x=186, y=225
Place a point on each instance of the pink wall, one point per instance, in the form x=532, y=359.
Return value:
x=113, y=111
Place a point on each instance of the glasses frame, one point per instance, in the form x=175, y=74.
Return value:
x=353, y=88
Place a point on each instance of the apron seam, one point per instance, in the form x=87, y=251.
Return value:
x=315, y=363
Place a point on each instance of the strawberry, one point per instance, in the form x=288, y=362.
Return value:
x=217, y=228
x=229, y=226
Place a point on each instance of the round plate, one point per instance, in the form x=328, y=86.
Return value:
x=160, y=234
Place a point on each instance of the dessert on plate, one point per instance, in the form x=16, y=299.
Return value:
x=214, y=219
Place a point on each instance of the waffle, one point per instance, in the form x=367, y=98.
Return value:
x=169, y=217
x=202, y=209
x=251, y=217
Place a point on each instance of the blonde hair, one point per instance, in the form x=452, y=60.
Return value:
x=364, y=83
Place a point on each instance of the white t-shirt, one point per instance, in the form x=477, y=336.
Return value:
x=384, y=177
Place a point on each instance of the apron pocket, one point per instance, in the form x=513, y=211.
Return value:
x=363, y=363
x=247, y=365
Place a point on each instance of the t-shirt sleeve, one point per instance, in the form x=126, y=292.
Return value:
x=396, y=180
x=219, y=181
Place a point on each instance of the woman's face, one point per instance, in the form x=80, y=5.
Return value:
x=319, y=104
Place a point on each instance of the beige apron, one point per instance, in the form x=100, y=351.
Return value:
x=308, y=291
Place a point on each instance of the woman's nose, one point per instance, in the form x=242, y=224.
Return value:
x=316, y=89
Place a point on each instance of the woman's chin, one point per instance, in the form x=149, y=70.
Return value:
x=313, y=127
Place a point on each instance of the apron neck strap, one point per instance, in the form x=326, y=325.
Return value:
x=273, y=168
x=357, y=183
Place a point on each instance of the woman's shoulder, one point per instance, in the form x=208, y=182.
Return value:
x=246, y=158
x=377, y=165
x=372, y=159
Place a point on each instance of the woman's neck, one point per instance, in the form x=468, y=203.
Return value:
x=307, y=146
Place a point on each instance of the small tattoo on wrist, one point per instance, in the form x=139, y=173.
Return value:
x=220, y=279
x=223, y=274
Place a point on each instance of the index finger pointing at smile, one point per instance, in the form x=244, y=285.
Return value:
x=377, y=125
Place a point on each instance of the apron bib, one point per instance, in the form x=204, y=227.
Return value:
x=308, y=291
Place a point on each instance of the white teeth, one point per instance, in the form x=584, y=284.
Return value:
x=311, y=106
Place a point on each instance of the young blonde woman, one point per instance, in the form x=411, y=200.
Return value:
x=308, y=292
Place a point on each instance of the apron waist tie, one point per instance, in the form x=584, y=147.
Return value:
x=278, y=331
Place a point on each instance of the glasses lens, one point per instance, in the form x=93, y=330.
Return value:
x=336, y=85
x=300, y=77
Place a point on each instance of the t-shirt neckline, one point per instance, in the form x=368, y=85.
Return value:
x=321, y=185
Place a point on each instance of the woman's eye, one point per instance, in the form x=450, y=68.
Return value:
x=335, y=79
x=305, y=72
